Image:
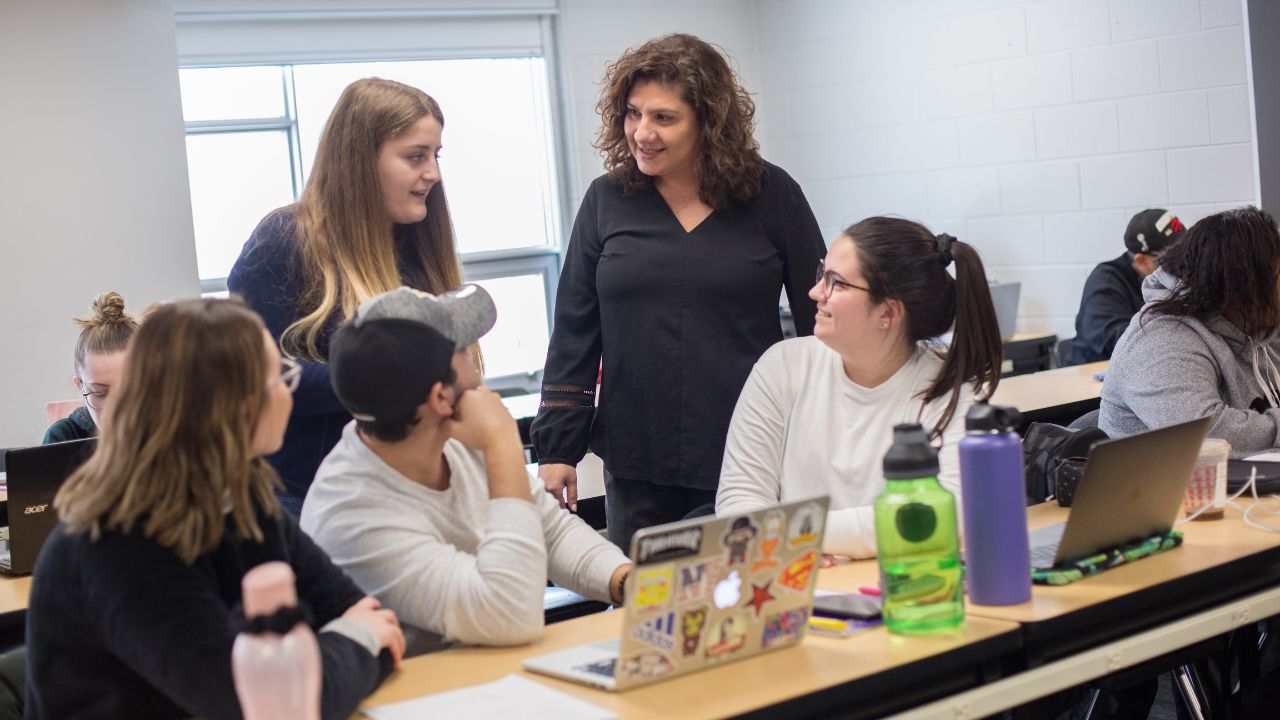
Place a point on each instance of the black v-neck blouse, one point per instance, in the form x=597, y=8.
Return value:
x=679, y=318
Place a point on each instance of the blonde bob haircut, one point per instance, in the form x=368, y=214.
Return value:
x=179, y=441
x=346, y=239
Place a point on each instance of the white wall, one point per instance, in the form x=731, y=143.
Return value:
x=93, y=184
x=593, y=33
x=1033, y=129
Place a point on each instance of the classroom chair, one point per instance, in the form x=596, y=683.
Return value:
x=58, y=409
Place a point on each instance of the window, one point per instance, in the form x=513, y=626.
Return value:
x=252, y=133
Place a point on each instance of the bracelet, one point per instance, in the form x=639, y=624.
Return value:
x=622, y=587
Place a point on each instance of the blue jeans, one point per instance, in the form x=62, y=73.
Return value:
x=631, y=505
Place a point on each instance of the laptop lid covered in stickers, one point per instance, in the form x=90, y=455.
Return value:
x=712, y=590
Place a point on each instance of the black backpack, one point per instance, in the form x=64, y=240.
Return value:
x=1044, y=446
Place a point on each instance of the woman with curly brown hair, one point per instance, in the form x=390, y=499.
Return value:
x=674, y=267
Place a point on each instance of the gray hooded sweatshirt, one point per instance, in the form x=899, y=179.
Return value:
x=1169, y=369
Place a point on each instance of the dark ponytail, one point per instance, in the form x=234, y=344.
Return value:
x=901, y=259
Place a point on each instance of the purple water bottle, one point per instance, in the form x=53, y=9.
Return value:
x=993, y=491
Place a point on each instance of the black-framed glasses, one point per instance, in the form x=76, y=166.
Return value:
x=829, y=281
x=290, y=374
x=96, y=399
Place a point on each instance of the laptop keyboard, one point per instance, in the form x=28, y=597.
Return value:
x=1044, y=544
x=1043, y=556
x=600, y=667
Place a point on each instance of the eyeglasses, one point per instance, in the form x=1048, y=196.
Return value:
x=95, y=399
x=290, y=374
x=829, y=281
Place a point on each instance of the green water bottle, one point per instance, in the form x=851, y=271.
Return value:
x=919, y=548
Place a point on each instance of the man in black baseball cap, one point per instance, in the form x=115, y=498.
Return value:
x=425, y=501
x=1113, y=292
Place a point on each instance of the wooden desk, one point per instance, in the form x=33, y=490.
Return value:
x=1059, y=395
x=1225, y=576
x=1219, y=561
x=820, y=676
x=14, y=596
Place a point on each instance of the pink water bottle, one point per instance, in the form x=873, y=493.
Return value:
x=276, y=670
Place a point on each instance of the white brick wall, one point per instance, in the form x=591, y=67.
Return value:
x=1043, y=125
x=1033, y=128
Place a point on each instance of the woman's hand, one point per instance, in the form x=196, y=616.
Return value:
x=562, y=482
x=383, y=623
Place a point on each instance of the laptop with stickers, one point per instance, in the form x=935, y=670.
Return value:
x=704, y=592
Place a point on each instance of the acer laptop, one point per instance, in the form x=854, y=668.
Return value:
x=704, y=592
x=34, y=476
x=1132, y=488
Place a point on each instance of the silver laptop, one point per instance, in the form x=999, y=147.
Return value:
x=705, y=592
x=1004, y=296
x=1131, y=489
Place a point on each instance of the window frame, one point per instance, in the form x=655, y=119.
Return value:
x=545, y=261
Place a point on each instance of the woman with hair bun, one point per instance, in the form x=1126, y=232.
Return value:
x=99, y=357
x=817, y=414
x=677, y=259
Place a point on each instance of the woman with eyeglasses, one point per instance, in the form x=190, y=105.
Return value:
x=373, y=217
x=136, y=592
x=99, y=357
x=677, y=259
x=817, y=414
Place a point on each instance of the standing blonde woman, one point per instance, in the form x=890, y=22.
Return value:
x=99, y=359
x=373, y=217
x=678, y=256
x=131, y=610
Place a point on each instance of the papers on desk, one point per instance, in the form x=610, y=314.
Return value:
x=1264, y=457
x=511, y=697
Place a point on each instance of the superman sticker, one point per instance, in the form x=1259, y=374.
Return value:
x=797, y=575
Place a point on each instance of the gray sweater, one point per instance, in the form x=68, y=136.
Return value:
x=1169, y=369
x=455, y=565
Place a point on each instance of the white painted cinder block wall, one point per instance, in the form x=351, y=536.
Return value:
x=1033, y=129
x=93, y=185
x=593, y=33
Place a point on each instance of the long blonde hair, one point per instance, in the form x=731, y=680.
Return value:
x=345, y=235
x=179, y=443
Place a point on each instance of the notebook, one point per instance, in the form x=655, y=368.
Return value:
x=705, y=592
x=34, y=476
x=1131, y=490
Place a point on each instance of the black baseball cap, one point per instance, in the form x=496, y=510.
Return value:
x=1152, y=230
x=385, y=360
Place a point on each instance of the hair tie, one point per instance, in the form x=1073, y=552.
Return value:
x=944, y=241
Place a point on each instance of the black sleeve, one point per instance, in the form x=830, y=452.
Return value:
x=794, y=230
x=266, y=276
x=169, y=625
x=1105, y=312
x=561, y=432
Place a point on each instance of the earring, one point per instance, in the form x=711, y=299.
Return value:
x=884, y=326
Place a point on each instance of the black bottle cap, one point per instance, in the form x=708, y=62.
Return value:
x=911, y=456
x=983, y=416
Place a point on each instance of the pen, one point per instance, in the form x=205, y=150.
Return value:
x=822, y=623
